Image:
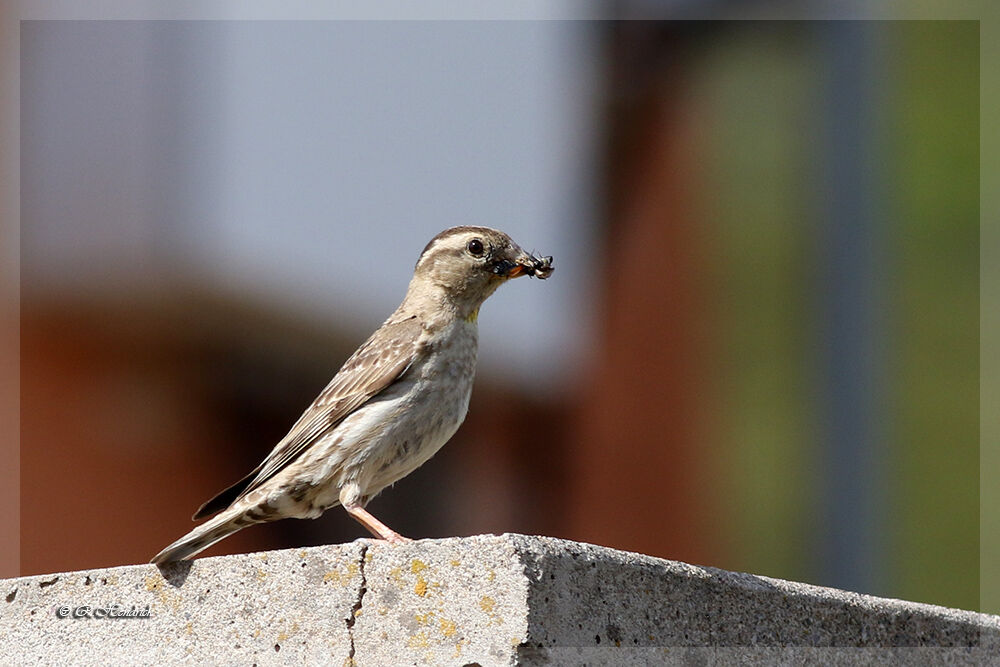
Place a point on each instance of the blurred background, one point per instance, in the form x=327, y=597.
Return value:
x=759, y=351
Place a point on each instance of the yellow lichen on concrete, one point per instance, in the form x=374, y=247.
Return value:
x=286, y=632
x=420, y=588
x=417, y=566
x=447, y=627
x=261, y=574
x=342, y=577
x=487, y=603
x=423, y=619
x=419, y=640
x=455, y=562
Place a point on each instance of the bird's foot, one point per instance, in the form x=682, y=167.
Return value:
x=374, y=526
x=395, y=538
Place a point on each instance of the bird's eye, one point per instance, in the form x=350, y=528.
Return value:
x=475, y=248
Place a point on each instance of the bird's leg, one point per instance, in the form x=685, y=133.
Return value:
x=374, y=526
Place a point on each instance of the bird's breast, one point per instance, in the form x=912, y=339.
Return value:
x=445, y=374
x=407, y=424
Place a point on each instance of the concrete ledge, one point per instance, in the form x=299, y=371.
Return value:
x=491, y=600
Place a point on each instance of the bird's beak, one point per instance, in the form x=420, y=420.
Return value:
x=515, y=271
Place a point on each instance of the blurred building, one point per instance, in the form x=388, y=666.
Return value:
x=758, y=351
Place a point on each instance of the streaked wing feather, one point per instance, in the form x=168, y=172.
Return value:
x=380, y=361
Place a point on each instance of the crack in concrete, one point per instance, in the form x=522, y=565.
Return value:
x=356, y=609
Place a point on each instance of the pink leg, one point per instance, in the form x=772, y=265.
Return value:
x=374, y=526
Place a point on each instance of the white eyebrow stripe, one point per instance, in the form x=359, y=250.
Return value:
x=440, y=246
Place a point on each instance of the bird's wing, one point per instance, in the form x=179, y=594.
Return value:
x=380, y=361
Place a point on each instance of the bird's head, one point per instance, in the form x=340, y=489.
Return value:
x=467, y=264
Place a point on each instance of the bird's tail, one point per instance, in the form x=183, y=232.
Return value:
x=205, y=535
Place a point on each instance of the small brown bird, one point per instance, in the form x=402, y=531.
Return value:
x=392, y=405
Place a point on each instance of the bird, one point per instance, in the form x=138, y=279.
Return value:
x=392, y=405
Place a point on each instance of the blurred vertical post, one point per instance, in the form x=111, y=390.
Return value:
x=639, y=469
x=853, y=262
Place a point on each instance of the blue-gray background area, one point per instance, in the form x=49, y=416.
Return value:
x=304, y=165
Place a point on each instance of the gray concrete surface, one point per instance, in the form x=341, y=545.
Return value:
x=488, y=600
